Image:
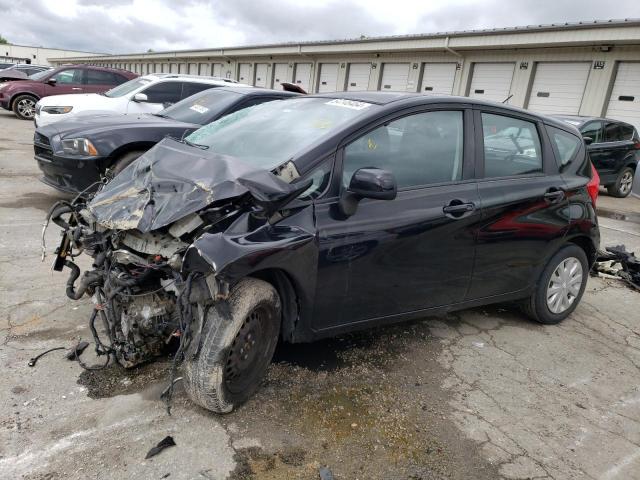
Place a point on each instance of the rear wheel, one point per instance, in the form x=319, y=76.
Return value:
x=237, y=343
x=560, y=286
x=24, y=106
x=622, y=187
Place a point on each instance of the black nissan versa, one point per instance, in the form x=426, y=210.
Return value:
x=75, y=153
x=309, y=217
x=614, y=149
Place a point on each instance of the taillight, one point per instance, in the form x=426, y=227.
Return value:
x=594, y=185
x=637, y=145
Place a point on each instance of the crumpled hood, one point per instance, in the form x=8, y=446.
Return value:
x=173, y=180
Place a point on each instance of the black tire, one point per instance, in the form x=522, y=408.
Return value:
x=623, y=184
x=536, y=305
x=224, y=375
x=125, y=160
x=24, y=106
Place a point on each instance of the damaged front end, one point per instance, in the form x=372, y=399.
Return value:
x=149, y=280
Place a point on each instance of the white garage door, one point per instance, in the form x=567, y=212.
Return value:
x=558, y=88
x=173, y=68
x=394, y=77
x=217, y=70
x=438, y=78
x=303, y=75
x=359, y=74
x=244, y=73
x=328, y=77
x=624, y=103
x=280, y=74
x=193, y=69
x=262, y=71
x=491, y=81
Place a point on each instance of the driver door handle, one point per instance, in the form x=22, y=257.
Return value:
x=457, y=209
x=76, y=88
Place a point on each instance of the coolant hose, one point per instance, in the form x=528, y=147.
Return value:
x=87, y=279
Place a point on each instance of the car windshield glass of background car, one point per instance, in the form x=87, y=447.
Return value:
x=199, y=108
x=126, y=87
x=40, y=75
x=269, y=134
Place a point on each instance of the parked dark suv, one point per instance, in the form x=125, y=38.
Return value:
x=21, y=95
x=614, y=151
x=312, y=216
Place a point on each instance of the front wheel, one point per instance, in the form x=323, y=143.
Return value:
x=560, y=286
x=237, y=344
x=24, y=106
x=622, y=187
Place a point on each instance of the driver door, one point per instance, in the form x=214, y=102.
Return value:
x=67, y=81
x=394, y=257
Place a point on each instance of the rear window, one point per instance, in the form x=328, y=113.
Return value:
x=618, y=132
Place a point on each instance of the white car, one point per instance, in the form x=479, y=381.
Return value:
x=147, y=94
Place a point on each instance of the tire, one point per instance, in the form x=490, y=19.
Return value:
x=125, y=160
x=24, y=106
x=537, y=307
x=623, y=184
x=219, y=378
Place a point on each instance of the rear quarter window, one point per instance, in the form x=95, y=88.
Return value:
x=565, y=145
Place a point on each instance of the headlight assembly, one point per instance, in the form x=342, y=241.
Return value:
x=57, y=110
x=79, y=146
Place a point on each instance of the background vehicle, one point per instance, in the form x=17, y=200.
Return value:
x=75, y=153
x=21, y=72
x=21, y=95
x=148, y=94
x=280, y=222
x=614, y=151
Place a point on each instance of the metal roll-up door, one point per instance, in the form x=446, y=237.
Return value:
x=491, y=81
x=438, y=78
x=328, y=77
x=174, y=68
x=302, y=76
x=217, y=70
x=558, y=87
x=395, y=77
x=262, y=72
x=193, y=69
x=358, y=77
x=624, y=103
x=244, y=73
x=280, y=74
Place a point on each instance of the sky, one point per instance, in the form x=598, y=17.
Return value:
x=132, y=26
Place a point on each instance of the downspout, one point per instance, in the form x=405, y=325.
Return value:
x=450, y=50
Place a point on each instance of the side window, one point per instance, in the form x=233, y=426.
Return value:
x=320, y=178
x=511, y=146
x=565, y=145
x=189, y=89
x=119, y=79
x=626, y=132
x=593, y=130
x=617, y=132
x=100, y=77
x=250, y=103
x=72, y=76
x=419, y=149
x=164, y=92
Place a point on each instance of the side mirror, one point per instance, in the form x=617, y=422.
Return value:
x=140, y=97
x=368, y=182
x=52, y=82
x=587, y=140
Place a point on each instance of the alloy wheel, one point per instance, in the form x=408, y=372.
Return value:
x=27, y=107
x=626, y=182
x=564, y=285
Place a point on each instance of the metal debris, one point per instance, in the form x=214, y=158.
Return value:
x=166, y=442
x=76, y=351
x=616, y=261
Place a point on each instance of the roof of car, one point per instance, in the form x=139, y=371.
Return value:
x=580, y=120
x=257, y=92
x=196, y=78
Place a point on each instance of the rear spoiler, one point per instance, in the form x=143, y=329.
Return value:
x=292, y=87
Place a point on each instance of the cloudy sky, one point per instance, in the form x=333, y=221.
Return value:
x=121, y=26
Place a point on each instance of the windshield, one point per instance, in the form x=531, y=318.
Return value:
x=202, y=107
x=127, y=87
x=39, y=75
x=267, y=135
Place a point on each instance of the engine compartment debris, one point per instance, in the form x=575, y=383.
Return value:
x=618, y=262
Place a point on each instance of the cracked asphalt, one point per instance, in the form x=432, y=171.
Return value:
x=480, y=394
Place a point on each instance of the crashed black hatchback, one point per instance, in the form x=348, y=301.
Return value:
x=309, y=217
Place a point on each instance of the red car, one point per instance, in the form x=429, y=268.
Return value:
x=21, y=95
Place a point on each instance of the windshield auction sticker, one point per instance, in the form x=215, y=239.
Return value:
x=199, y=108
x=352, y=104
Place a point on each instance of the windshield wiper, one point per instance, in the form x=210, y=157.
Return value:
x=161, y=115
x=197, y=145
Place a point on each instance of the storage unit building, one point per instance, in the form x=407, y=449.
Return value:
x=358, y=77
x=328, y=81
x=438, y=78
x=491, y=81
x=395, y=77
x=558, y=87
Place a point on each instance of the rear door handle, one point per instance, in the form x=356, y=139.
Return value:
x=76, y=88
x=457, y=209
x=554, y=195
